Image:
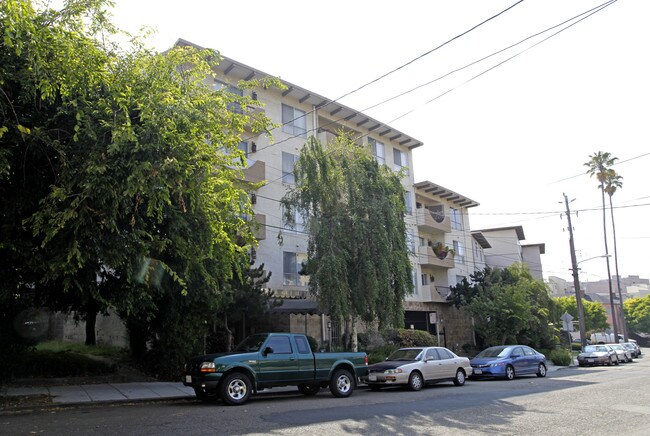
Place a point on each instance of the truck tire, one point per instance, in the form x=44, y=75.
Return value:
x=342, y=383
x=236, y=389
x=309, y=389
x=206, y=397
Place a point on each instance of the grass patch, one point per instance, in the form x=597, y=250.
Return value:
x=114, y=353
x=47, y=364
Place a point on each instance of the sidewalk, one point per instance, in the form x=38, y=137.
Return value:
x=106, y=392
x=119, y=392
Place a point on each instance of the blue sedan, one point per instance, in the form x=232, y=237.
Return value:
x=507, y=361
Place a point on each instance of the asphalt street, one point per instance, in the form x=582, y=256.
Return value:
x=601, y=400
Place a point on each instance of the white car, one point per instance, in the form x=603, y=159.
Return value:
x=623, y=354
x=416, y=366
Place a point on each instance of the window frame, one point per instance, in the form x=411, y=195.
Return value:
x=296, y=123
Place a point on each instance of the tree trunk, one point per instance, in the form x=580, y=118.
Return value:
x=609, y=273
x=91, y=322
x=621, y=316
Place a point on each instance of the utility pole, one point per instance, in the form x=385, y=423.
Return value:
x=576, y=279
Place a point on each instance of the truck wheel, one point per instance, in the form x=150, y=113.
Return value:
x=308, y=390
x=236, y=388
x=206, y=397
x=342, y=383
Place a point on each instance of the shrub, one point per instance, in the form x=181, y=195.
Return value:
x=561, y=357
x=379, y=354
x=415, y=338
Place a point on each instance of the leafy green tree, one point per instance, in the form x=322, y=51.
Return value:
x=599, y=166
x=120, y=179
x=358, y=258
x=637, y=312
x=595, y=314
x=508, y=305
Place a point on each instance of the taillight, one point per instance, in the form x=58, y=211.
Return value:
x=366, y=360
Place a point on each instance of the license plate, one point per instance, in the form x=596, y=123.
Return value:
x=478, y=371
x=188, y=379
x=590, y=360
x=372, y=378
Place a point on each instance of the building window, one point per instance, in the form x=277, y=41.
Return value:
x=460, y=252
x=456, y=219
x=232, y=106
x=294, y=121
x=408, y=203
x=425, y=279
x=400, y=160
x=378, y=151
x=291, y=268
x=410, y=240
x=298, y=224
x=243, y=146
x=288, y=162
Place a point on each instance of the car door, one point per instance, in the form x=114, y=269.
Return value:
x=431, y=366
x=519, y=360
x=531, y=359
x=447, y=363
x=278, y=361
x=306, y=362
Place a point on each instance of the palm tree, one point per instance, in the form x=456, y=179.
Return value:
x=614, y=181
x=598, y=165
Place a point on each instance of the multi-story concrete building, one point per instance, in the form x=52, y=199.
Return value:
x=302, y=113
x=506, y=248
x=447, y=253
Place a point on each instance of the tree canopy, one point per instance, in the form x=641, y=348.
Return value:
x=508, y=306
x=595, y=314
x=637, y=314
x=120, y=179
x=353, y=209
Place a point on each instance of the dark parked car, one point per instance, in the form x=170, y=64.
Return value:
x=600, y=354
x=508, y=361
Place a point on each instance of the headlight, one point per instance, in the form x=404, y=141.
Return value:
x=492, y=365
x=393, y=371
x=208, y=367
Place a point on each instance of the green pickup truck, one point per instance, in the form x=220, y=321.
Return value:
x=269, y=360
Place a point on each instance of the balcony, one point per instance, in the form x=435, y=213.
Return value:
x=430, y=293
x=255, y=172
x=427, y=257
x=432, y=222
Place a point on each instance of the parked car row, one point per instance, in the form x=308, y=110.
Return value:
x=608, y=354
x=415, y=367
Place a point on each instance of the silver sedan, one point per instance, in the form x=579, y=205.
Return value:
x=414, y=367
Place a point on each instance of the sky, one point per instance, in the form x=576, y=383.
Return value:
x=511, y=132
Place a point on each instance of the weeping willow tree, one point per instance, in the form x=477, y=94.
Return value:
x=353, y=208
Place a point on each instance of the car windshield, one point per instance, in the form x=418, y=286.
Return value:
x=628, y=346
x=252, y=343
x=406, y=354
x=616, y=347
x=595, y=349
x=493, y=352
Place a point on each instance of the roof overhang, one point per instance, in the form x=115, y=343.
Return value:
x=518, y=229
x=239, y=71
x=542, y=247
x=444, y=193
x=478, y=236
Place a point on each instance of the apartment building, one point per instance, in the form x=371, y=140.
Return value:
x=301, y=113
x=447, y=253
x=506, y=248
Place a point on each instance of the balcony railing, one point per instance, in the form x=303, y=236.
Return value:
x=255, y=172
x=427, y=257
x=430, y=222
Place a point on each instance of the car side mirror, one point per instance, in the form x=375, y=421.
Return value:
x=267, y=350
